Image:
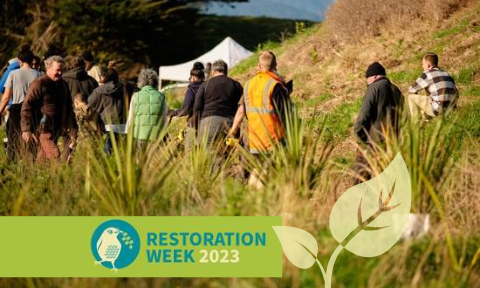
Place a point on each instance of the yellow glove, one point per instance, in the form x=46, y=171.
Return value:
x=231, y=142
x=181, y=135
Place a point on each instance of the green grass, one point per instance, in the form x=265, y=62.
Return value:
x=465, y=76
x=340, y=121
x=251, y=62
x=276, y=46
x=453, y=30
x=405, y=76
x=315, y=101
x=470, y=91
x=467, y=122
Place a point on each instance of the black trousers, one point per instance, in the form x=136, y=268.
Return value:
x=14, y=132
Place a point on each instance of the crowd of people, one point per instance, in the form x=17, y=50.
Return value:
x=76, y=99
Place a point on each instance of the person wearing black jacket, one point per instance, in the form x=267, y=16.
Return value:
x=379, y=116
x=196, y=80
x=380, y=109
x=216, y=103
x=197, y=76
x=81, y=86
x=108, y=101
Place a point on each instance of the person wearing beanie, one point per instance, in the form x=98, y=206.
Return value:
x=379, y=116
x=375, y=69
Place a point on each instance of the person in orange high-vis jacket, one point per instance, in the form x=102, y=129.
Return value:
x=264, y=103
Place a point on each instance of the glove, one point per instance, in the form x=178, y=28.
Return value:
x=232, y=142
x=181, y=135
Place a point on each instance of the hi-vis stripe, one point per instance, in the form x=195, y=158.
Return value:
x=266, y=100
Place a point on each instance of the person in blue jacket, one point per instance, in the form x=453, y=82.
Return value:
x=13, y=64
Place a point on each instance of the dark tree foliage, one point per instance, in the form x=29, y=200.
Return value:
x=130, y=31
x=143, y=32
x=11, y=26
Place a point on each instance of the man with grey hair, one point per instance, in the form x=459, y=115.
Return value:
x=148, y=109
x=47, y=112
x=216, y=103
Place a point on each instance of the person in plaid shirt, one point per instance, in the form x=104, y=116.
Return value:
x=439, y=85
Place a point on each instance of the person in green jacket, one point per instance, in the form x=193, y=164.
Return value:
x=148, y=109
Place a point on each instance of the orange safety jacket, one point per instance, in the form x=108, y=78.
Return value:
x=264, y=126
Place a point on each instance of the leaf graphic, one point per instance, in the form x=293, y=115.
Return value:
x=298, y=245
x=369, y=218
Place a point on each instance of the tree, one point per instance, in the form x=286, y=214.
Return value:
x=131, y=31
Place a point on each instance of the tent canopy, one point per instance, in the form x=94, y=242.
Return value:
x=228, y=50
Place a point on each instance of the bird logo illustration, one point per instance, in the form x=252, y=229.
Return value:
x=115, y=244
x=109, y=247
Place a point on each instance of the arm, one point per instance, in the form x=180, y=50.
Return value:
x=199, y=104
x=32, y=97
x=164, y=114
x=7, y=95
x=237, y=120
x=187, y=106
x=421, y=83
x=281, y=103
x=131, y=114
x=94, y=103
x=4, y=80
x=5, y=99
x=362, y=125
x=239, y=92
x=72, y=124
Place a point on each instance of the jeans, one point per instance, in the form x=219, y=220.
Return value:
x=108, y=146
x=14, y=132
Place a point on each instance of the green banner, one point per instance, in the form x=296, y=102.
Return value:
x=140, y=247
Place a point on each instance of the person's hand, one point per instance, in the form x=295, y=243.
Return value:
x=72, y=144
x=28, y=136
x=231, y=133
x=232, y=142
x=3, y=115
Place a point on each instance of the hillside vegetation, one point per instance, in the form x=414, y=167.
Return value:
x=328, y=62
x=307, y=177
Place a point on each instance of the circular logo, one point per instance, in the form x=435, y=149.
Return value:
x=115, y=244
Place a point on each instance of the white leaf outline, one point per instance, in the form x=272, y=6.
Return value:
x=383, y=222
x=300, y=247
x=383, y=207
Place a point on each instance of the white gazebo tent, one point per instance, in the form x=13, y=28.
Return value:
x=228, y=50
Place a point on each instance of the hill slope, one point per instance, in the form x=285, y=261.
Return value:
x=329, y=78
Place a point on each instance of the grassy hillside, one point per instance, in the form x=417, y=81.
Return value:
x=307, y=177
x=329, y=78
